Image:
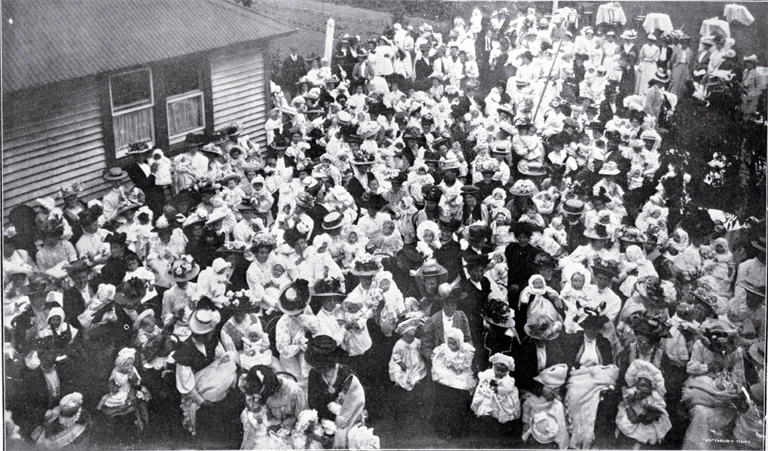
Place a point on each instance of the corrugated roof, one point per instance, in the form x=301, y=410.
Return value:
x=49, y=41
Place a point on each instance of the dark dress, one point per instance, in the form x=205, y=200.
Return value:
x=155, y=197
x=520, y=260
x=114, y=270
x=219, y=422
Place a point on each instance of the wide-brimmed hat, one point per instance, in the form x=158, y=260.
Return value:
x=184, y=269
x=321, y=349
x=630, y=234
x=609, y=267
x=410, y=258
x=203, y=321
x=70, y=190
x=573, y=207
x=305, y=200
x=531, y=168
x=544, y=427
x=332, y=287
x=650, y=326
x=596, y=233
x=144, y=314
x=218, y=214
x=448, y=164
x=115, y=173
x=363, y=158
x=79, y=265
x=523, y=188
x=293, y=299
x=138, y=148
x=497, y=312
x=231, y=176
x=195, y=140
x=365, y=266
x=115, y=237
x=652, y=292
x=629, y=35
x=661, y=75
x=333, y=220
x=609, y=168
x=375, y=201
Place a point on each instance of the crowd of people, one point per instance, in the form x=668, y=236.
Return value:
x=514, y=264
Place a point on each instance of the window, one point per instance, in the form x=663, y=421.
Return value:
x=186, y=112
x=132, y=99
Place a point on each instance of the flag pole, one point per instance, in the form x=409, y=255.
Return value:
x=549, y=76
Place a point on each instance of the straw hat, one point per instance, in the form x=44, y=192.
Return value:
x=115, y=173
x=204, y=321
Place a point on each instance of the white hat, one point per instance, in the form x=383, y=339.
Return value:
x=220, y=265
x=204, y=321
x=502, y=359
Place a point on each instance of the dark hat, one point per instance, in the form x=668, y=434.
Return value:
x=431, y=156
x=401, y=177
x=609, y=267
x=138, y=147
x=375, y=201
x=279, y=143
x=439, y=142
x=323, y=349
x=479, y=231
x=651, y=327
x=431, y=193
x=79, y=265
x=592, y=318
x=119, y=238
x=354, y=139
x=195, y=140
x=523, y=228
x=294, y=297
x=410, y=258
x=478, y=260
x=332, y=287
x=470, y=190
x=451, y=224
x=652, y=293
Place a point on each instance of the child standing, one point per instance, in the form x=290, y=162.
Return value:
x=496, y=394
x=643, y=414
x=394, y=305
x=357, y=340
x=163, y=175
x=406, y=366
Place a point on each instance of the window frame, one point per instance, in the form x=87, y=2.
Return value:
x=121, y=152
x=175, y=139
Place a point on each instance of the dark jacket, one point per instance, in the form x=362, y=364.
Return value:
x=449, y=256
x=526, y=362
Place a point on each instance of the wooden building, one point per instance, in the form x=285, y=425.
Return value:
x=82, y=79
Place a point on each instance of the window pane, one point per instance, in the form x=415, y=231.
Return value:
x=131, y=89
x=132, y=127
x=185, y=115
x=182, y=78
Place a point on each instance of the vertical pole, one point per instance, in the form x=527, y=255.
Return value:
x=554, y=6
x=329, y=39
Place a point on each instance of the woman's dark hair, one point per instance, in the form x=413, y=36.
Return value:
x=261, y=380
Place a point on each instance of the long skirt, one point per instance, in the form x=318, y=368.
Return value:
x=645, y=72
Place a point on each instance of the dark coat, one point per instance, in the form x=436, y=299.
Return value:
x=576, y=348
x=292, y=71
x=449, y=256
x=526, y=362
x=155, y=197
